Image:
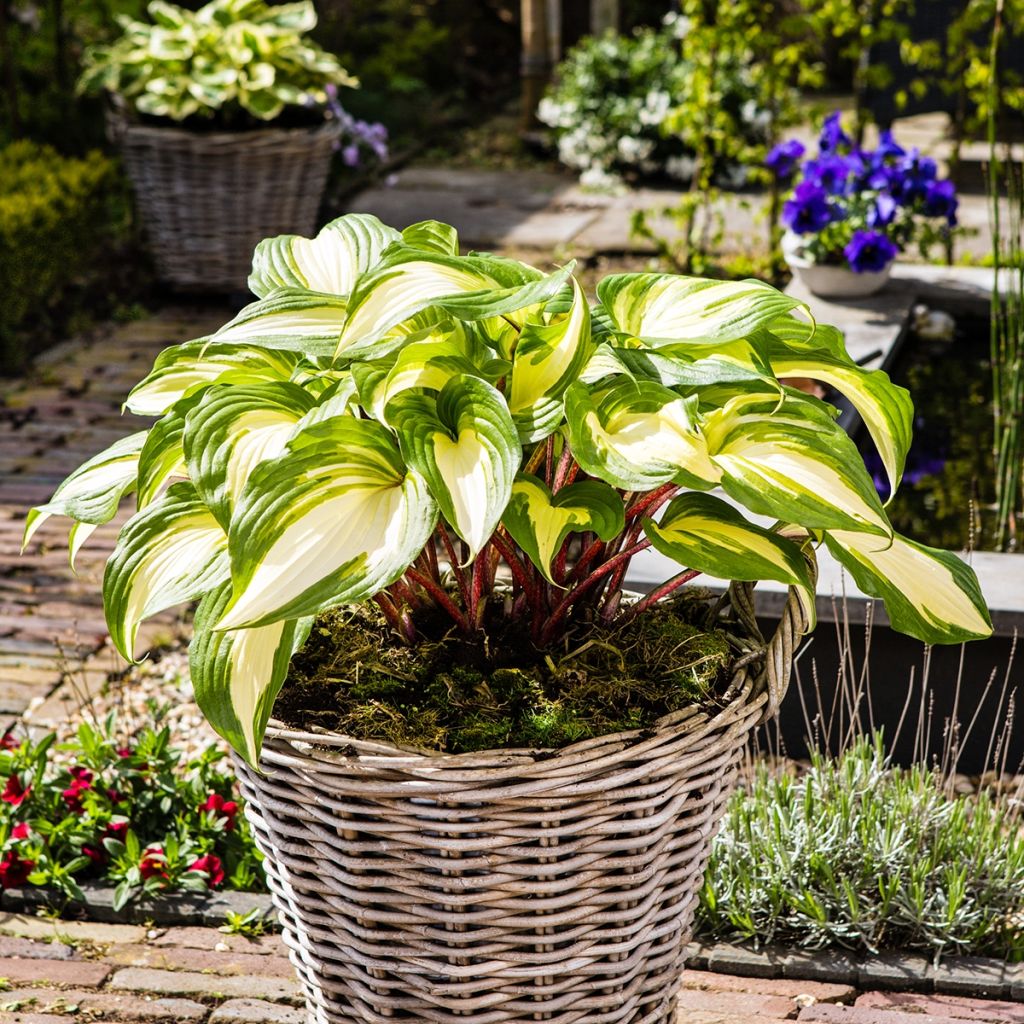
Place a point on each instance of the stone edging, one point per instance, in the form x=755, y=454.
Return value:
x=180, y=908
x=906, y=972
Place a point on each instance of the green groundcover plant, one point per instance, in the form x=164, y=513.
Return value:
x=229, y=56
x=386, y=399
x=132, y=814
x=861, y=854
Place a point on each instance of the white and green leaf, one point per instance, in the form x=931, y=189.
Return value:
x=929, y=594
x=330, y=263
x=702, y=532
x=330, y=521
x=289, y=320
x=465, y=445
x=667, y=308
x=548, y=358
x=181, y=370
x=638, y=435
x=539, y=521
x=237, y=674
x=231, y=431
x=886, y=409
x=468, y=287
x=790, y=460
x=92, y=492
x=170, y=552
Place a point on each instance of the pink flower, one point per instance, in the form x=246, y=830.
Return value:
x=81, y=781
x=14, y=792
x=9, y=742
x=124, y=752
x=115, y=797
x=21, y=830
x=14, y=871
x=216, y=804
x=153, y=863
x=116, y=830
x=212, y=867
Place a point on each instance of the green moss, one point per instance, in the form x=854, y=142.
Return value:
x=451, y=693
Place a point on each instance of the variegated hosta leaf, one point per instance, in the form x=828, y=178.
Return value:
x=172, y=551
x=929, y=594
x=79, y=534
x=92, y=493
x=465, y=445
x=429, y=362
x=794, y=333
x=432, y=236
x=666, y=308
x=237, y=674
x=539, y=522
x=340, y=399
x=548, y=358
x=289, y=319
x=163, y=455
x=790, y=460
x=331, y=263
x=700, y=531
x=468, y=287
x=638, y=435
x=886, y=409
x=183, y=369
x=329, y=521
x=231, y=431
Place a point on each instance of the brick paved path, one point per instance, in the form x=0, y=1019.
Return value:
x=57, y=972
x=51, y=622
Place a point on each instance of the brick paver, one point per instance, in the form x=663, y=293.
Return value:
x=109, y=974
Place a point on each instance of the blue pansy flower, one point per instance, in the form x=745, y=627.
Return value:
x=834, y=173
x=832, y=134
x=869, y=251
x=914, y=174
x=887, y=147
x=783, y=158
x=882, y=210
x=809, y=209
x=940, y=200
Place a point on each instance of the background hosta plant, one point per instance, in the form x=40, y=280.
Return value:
x=228, y=57
x=466, y=439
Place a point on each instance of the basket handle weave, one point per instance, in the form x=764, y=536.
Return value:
x=779, y=652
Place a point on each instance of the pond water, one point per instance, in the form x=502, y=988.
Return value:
x=948, y=486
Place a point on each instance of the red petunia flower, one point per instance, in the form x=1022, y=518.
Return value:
x=212, y=866
x=14, y=792
x=14, y=871
x=95, y=853
x=9, y=742
x=81, y=781
x=115, y=797
x=21, y=830
x=125, y=751
x=153, y=863
x=216, y=804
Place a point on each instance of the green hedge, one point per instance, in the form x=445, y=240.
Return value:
x=54, y=215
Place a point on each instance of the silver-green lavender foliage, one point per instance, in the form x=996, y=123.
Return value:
x=862, y=855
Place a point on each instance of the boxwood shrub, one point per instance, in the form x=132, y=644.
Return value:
x=55, y=213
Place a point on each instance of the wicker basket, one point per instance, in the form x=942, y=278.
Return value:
x=507, y=886
x=207, y=199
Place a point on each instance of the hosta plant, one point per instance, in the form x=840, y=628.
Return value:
x=467, y=442
x=229, y=59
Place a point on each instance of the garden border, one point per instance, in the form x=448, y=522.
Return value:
x=179, y=908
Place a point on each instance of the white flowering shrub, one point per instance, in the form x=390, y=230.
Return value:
x=615, y=97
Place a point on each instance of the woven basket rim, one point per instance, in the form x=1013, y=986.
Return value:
x=123, y=121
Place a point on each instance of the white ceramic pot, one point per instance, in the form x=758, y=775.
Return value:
x=826, y=280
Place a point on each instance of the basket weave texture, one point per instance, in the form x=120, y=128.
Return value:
x=207, y=198
x=507, y=886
